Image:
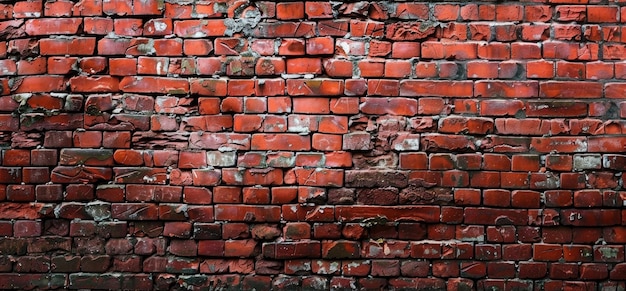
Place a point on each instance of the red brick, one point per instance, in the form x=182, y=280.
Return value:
x=93, y=84
x=239, y=248
x=563, y=50
x=458, y=124
x=248, y=213
x=280, y=141
x=288, y=11
x=304, y=66
x=292, y=47
x=506, y=89
x=70, y=46
x=525, y=199
x=292, y=250
x=161, y=27
x=318, y=10
x=405, y=50
x=426, y=213
x=30, y=67
x=315, y=87
x=154, y=85
x=338, y=67
x=320, y=46
x=305, y=137
x=256, y=195
x=297, y=231
x=436, y=88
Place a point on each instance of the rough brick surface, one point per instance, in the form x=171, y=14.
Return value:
x=214, y=145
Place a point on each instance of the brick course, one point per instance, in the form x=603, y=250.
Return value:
x=328, y=145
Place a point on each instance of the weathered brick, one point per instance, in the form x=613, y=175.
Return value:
x=320, y=145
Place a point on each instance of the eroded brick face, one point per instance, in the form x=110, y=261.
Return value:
x=329, y=145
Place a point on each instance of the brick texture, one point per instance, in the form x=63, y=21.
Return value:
x=264, y=145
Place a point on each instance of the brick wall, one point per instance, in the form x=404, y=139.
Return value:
x=256, y=144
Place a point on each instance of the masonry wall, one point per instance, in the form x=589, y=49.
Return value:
x=329, y=145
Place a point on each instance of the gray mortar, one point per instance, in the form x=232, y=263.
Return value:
x=244, y=24
x=609, y=253
x=99, y=210
x=220, y=7
x=147, y=48
x=335, y=5
x=388, y=6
